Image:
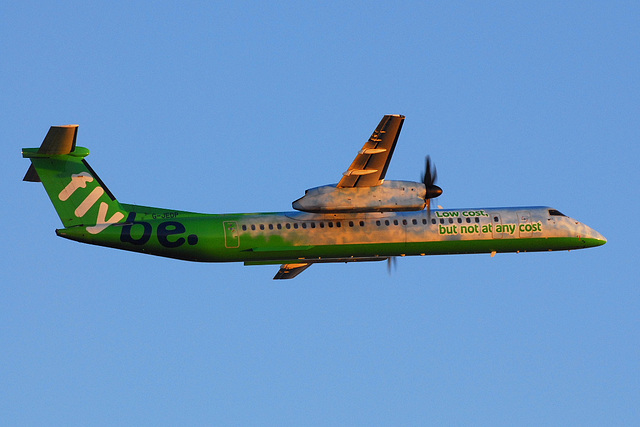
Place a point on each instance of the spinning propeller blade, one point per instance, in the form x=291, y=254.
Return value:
x=429, y=178
x=391, y=264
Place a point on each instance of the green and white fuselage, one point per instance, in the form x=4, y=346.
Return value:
x=342, y=223
x=286, y=237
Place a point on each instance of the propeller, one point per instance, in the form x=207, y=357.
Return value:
x=429, y=178
x=391, y=264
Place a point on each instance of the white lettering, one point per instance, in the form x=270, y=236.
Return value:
x=103, y=222
x=87, y=203
x=77, y=181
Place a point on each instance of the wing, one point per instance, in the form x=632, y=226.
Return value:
x=289, y=271
x=291, y=268
x=370, y=165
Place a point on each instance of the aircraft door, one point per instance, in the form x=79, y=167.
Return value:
x=231, y=236
x=524, y=217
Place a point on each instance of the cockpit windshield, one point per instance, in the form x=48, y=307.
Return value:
x=555, y=212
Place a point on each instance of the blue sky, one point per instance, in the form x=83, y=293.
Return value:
x=239, y=107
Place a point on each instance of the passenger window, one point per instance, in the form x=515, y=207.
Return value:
x=350, y=223
x=253, y=226
x=378, y=223
x=287, y=226
x=468, y=220
x=330, y=224
x=295, y=225
x=261, y=226
x=361, y=223
x=433, y=221
x=244, y=228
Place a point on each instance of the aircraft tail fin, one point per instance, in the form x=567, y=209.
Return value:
x=77, y=193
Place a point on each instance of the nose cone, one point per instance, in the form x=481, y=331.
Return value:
x=433, y=191
x=593, y=238
x=302, y=204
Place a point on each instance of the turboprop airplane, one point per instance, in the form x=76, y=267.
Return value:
x=361, y=218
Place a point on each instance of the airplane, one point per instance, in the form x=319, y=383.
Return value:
x=361, y=218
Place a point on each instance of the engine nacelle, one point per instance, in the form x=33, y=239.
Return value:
x=389, y=196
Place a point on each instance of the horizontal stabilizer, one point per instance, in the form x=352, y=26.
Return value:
x=32, y=175
x=59, y=140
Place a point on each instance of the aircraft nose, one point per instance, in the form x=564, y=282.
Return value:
x=593, y=238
